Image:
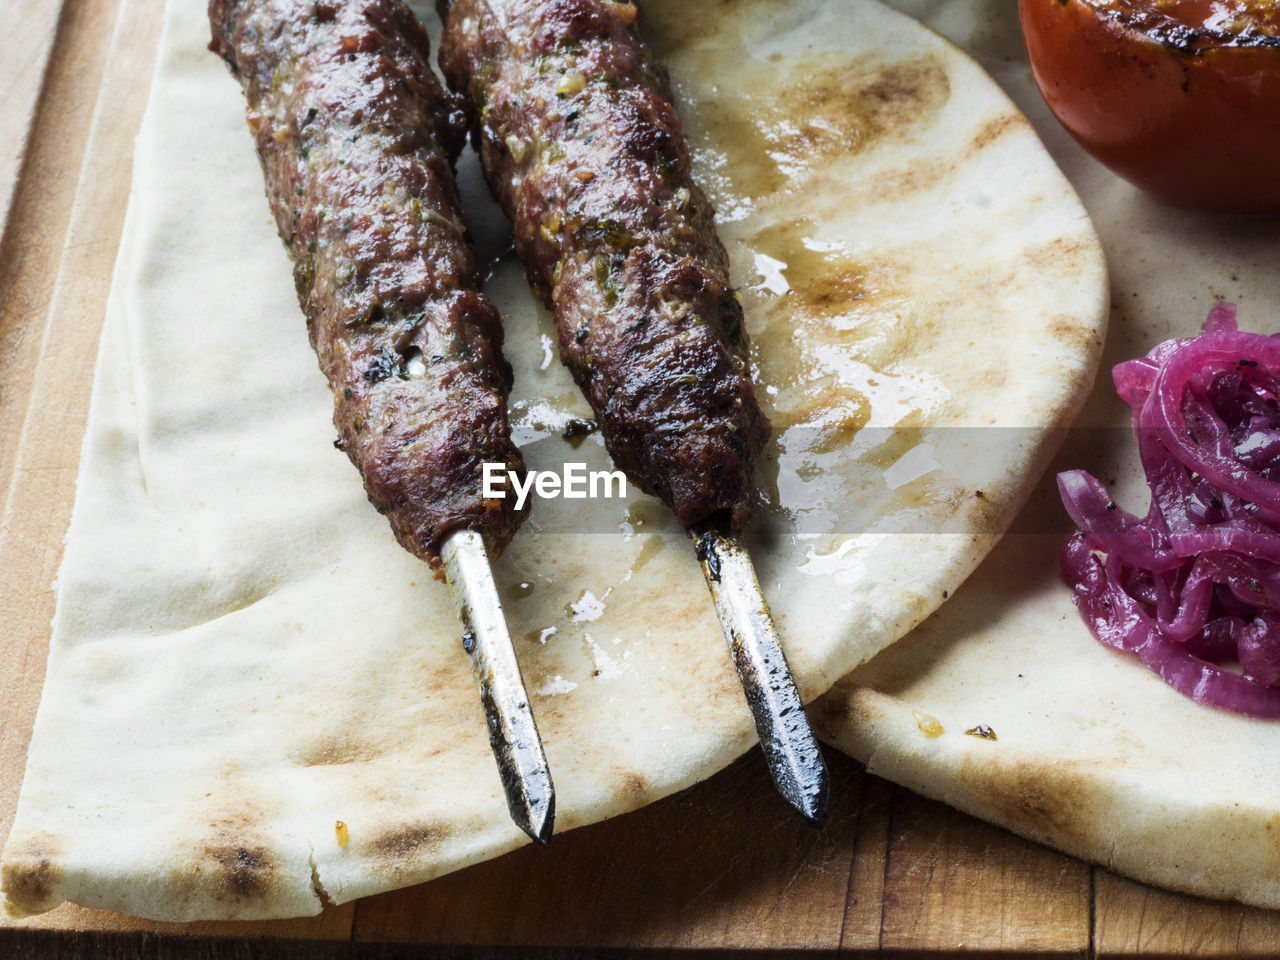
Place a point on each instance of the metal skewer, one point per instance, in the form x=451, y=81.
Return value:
x=513, y=735
x=790, y=748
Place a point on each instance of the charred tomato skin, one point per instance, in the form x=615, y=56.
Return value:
x=1191, y=116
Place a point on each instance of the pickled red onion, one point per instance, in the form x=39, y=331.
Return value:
x=1196, y=582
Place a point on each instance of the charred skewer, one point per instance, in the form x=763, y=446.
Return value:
x=790, y=748
x=513, y=735
x=582, y=147
x=357, y=139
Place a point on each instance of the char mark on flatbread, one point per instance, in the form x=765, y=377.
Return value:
x=357, y=139
x=582, y=147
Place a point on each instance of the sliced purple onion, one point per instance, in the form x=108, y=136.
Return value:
x=1195, y=584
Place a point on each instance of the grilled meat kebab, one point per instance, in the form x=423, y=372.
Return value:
x=582, y=147
x=584, y=151
x=357, y=140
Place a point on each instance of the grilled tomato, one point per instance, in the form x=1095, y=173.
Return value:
x=1180, y=97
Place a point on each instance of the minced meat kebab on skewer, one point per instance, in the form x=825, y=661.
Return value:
x=357, y=141
x=582, y=147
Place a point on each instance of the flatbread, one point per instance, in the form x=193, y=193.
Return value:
x=1096, y=756
x=242, y=655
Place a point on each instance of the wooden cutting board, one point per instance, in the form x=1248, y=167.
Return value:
x=723, y=866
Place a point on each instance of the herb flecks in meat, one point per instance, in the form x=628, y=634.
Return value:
x=357, y=141
x=583, y=149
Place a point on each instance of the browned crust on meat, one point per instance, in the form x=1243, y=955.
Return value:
x=357, y=141
x=583, y=148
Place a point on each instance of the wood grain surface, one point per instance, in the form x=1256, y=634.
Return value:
x=22, y=72
x=723, y=869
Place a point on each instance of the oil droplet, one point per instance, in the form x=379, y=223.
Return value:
x=929, y=725
x=554, y=684
x=586, y=608
x=841, y=560
x=652, y=547
x=647, y=513
x=917, y=462
x=576, y=430
x=523, y=589
x=541, y=636
x=605, y=665
x=982, y=732
x=820, y=278
x=342, y=833
x=537, y=420
x=773, y=275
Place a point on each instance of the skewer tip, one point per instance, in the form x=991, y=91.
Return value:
x=810, y=798
x=537, y=822
x=790, y=748
x=526, y=779
x=794, y=757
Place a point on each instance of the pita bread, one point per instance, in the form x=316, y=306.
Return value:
x=243, y=656
x=1096, y=756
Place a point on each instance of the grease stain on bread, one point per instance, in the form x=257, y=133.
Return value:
x=785, y=123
